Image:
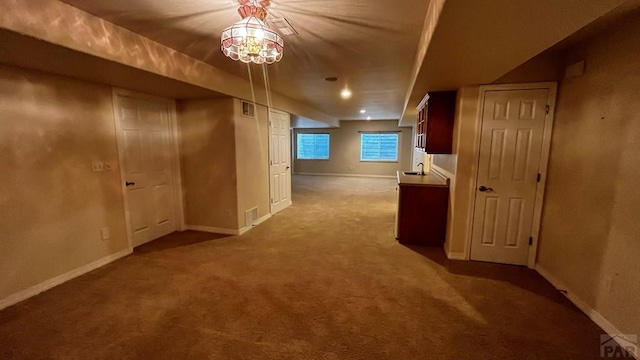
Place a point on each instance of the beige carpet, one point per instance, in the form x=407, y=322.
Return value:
x=324, y=279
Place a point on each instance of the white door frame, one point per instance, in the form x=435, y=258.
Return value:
x=552, y=87
x=174, y=136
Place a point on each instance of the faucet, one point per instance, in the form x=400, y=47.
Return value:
x=422, y=167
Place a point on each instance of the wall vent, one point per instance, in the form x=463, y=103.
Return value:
x=251, y=216
x=283, y=26
x=248, y=109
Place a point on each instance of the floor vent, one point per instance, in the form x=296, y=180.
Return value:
x=250, y=216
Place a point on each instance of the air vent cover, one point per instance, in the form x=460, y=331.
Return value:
x=250, y=216
x=283, y=26
x=248, y=109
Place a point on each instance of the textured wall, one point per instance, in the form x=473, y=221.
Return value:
x=590, y=237
x=252, y=161
x=208, y=162
x=53, y=205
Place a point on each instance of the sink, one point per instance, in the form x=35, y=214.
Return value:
x=412, y=173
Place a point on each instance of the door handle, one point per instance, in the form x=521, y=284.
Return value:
x=129, y=183
x=485, y=189
x=288, y=168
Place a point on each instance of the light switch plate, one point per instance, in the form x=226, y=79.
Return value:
x=106, y=233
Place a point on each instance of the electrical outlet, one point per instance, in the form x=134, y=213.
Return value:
x=97, y=166
x=109, y=165
x=106, y=233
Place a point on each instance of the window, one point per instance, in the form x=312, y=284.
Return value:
x=313, y=146
x=379, y=147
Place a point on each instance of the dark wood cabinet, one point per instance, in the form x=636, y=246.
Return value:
x=434, y=127
x=422, y=214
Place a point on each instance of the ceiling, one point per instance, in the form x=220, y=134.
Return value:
x=389, y=53
x=369, y=45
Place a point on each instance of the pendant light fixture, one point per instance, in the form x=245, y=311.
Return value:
x=250, y=40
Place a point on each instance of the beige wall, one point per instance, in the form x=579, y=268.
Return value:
x=208, y=162
x=590, y=236
x=252, y=161
x=225, y=159
x=460, y=168
x=53, y=205
x=344, y=152
x=544, y=67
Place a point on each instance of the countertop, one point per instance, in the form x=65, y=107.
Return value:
x=431, y=179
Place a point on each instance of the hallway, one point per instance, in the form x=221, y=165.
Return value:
x=323, y=279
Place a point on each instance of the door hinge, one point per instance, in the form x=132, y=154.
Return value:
x=530, y=240
x=538, y=177
x=546, y=109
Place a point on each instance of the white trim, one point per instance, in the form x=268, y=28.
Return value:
x=262, y=219
x=213, y=230
x=53, y=282
x=592, y=313
x=225, y=231
x=456, y=255
x=348, y=175
x=256, y=223
x=552, y=87
x=174, y=136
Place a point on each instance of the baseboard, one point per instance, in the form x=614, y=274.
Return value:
x=262, y=219
x=349, y=175
x=213, y=230
x=595, y=316
x=456, y=256
x=51, y=283
x=256, y=223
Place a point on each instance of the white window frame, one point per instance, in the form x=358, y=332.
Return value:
x=381, y=133
x=314, y=159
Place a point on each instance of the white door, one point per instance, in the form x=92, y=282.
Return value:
x=146, y=155
x=279, y=160
x=510, y=150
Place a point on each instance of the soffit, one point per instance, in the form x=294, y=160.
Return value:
x=369, y=45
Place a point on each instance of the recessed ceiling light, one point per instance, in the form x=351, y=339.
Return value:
x=368, y=117
x=345, y=93
x=331, y=79
x=363, y=111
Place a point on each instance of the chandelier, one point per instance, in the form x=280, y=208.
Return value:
x=251, y=39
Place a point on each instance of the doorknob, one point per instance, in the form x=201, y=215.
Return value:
x=485, y=189
x=129, y=183
x=288, y=168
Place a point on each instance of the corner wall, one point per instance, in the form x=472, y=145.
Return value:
x=225, y=159
x=344, y=150
x=208, y=159
x=252, y=161
x=53, y=206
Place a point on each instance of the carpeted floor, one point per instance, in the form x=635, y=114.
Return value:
x=324, y=279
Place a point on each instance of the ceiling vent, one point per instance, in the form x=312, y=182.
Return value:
x=283, y=26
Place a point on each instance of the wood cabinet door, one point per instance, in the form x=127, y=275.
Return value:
x=440, y=117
